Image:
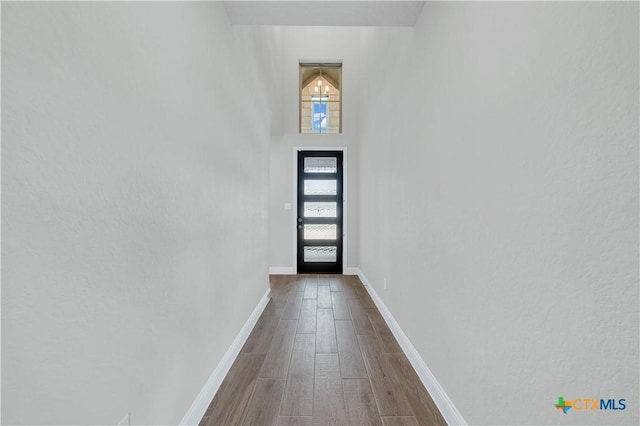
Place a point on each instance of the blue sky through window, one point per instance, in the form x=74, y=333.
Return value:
x=319, y=117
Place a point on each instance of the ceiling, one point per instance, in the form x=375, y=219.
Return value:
x=325, y=13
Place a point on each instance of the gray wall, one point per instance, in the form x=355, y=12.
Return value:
x=500, y=200
x=134, y=206
x=293, y=44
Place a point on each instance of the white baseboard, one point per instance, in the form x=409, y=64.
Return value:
x=282, y=270
x=202, y=401
x=288, y=270
x=439, y=396
x=351, y=271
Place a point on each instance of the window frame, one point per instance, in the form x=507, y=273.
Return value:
x=321, y=66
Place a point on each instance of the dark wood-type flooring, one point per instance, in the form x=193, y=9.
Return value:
x=321, y=354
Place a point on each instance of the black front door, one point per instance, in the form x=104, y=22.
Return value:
x=319, y=220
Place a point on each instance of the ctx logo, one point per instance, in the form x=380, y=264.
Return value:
x=584, y=404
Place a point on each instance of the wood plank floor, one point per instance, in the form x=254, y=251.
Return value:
x=321, y=354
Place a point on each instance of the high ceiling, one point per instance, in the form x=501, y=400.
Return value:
x=324, y=13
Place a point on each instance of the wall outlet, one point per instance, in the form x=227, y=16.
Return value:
x=126, y=420
x=385, y=284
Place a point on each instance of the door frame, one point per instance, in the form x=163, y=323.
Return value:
x=345, y=204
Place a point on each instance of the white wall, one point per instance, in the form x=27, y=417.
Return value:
x=310, y=43
x=500, y=199
x=134, y=214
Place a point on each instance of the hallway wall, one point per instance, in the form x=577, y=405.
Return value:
x=500, y=200
x=134, y=206
x=293, y=44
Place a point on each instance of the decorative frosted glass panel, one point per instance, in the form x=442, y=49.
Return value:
x=320, y=232
x=320, y=209
x=320, y=187
x=321, y=165
x=320, y=254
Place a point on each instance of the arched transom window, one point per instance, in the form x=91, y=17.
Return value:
x=320, y=98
